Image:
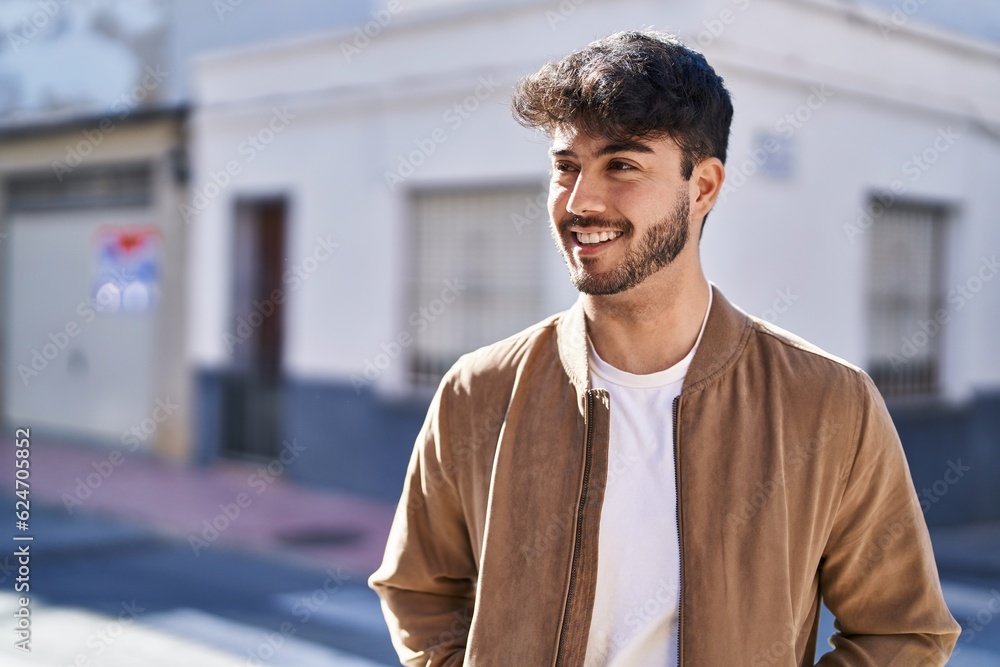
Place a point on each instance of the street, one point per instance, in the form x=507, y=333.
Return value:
x=106, y=592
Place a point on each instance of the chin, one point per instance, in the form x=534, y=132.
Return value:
x=597, y=284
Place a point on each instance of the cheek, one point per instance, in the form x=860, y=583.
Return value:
x=557, y=201
x=647, y=203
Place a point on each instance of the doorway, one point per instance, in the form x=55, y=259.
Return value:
x=252, y=402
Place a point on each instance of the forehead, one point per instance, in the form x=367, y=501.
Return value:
x=570, y=141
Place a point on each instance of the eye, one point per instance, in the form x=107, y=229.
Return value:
x=618, y=165
x=562, y=166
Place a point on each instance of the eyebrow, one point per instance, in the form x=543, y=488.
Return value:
x=618, y=147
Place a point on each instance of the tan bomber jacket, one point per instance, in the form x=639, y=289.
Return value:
x=792, y=486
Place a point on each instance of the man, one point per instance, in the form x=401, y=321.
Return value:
x=653, y=477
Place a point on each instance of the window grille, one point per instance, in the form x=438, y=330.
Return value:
x=477, y=272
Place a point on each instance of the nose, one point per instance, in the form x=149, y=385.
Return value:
x=586, y=197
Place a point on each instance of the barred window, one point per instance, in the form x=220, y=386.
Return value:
x=905, y=300
x=477, y=272
x=97, y=186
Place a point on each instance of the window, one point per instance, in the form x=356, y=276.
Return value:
x=477, y=272
x=905, y=300
x=120, y=184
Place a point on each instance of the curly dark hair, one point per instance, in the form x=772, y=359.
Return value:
x=632, y=85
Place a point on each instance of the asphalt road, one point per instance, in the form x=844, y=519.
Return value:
x=133, y=588
x=106, y=593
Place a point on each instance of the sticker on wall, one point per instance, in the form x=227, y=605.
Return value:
x=126, y=269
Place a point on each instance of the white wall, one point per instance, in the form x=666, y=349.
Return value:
x=353, y=119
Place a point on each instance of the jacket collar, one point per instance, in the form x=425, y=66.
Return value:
x=725, y=335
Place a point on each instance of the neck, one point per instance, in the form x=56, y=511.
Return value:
x=652, y=326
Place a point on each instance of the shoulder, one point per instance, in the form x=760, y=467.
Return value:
x=793, y=356
x=827, y=409
x=473, y=398
x=811, y=375
x=497, y=364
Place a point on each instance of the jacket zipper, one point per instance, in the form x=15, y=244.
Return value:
x=680, y=548
x=579, y=523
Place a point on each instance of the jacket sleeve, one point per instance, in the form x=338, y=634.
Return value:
x=427, y=580
x=878, y=575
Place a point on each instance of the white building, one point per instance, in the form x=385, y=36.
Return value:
x=92, y=239
x=402, y=207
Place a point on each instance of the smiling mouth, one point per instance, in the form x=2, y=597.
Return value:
x=594, y=238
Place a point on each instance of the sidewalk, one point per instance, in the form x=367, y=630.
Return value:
x=181, y=638
x=317, y=527
x=227, y=503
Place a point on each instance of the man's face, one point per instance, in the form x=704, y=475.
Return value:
x=619, y=211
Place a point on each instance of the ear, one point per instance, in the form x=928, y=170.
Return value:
x=706, y=183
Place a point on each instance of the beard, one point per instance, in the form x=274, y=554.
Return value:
x=658, y=246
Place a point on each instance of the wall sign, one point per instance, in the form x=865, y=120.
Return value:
x=126, y=269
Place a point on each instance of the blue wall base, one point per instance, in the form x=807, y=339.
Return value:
x=359, y=443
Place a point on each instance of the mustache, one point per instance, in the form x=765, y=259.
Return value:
x=593, y=222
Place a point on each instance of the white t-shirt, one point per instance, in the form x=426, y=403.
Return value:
x=638, y=572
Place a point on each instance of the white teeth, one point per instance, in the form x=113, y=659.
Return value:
x=596, y=237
